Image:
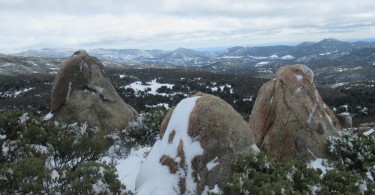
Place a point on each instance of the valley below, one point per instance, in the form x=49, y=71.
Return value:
x=147, y=88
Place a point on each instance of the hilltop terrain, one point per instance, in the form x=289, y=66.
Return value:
x=153, y=89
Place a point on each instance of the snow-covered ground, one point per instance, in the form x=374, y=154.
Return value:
x=222, y=88
x=319, y=163
x=260, y=64
x=153, y=177
x=128, y=168
x=13, y=94
x=165, y=105
x=287, y=57
x=149, y=87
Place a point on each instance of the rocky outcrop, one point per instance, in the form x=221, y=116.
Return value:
x=345, y=119
x=82, y=93
x=200, y=139
x=290, y=119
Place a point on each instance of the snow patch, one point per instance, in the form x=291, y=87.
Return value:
x=260, y=64
x=13, y=94
x=298, y=90
x=368, y=173
x=215, y=190
x=338, y=84
x=299, y=77
x=69, y=90
x=6, y=147
x=48, y=116
x=24, y=118
x=319, y=163
x=274, y=56
x=149, y=87
x=255, y=148
x=221, y=87
x=153, y=177
x=210, y=165
x=369, y=132
x=231, y=57
x=248, y=99
x=287, y=57
x=128, y=168
x=165, y=105
x=39, y=148
x=55, y=174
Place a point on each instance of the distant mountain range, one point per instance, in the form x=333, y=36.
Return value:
x=327, y=48
x=347, y=61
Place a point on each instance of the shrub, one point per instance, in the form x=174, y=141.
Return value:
x=352, y=171
x=142, y=132
x=89, y=178
x=42, y=158
x=353, y=151
x=261, y=174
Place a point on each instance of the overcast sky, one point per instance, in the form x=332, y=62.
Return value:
x=168, y=24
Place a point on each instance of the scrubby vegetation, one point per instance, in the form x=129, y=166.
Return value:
x=40, y=157
x=43, y=158
x=351, y=172
x=140, y=133
x=357, y=98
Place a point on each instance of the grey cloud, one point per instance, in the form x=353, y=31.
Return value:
x=171, y=23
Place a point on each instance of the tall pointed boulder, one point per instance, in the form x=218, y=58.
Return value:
x=82, y=93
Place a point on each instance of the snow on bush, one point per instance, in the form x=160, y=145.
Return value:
x=42, y=158
x=350, y=172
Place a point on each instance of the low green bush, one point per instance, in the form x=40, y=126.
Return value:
x=144, y=131
x=352, y=171
x=39, y=157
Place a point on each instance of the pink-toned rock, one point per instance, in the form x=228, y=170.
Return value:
x=199, y=143
x=290, y=119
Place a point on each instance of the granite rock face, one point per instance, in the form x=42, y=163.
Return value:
x=82, y=93
x=198, y=154
x=290, y=119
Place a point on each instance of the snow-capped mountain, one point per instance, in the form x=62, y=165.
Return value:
x=304, y=49
x=48, y=52
x=332, y=60
x=178, y=57
x=302, y=53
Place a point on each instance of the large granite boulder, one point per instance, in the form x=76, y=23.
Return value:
x=290, y=119
x=83, y=93
x=200, y=139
